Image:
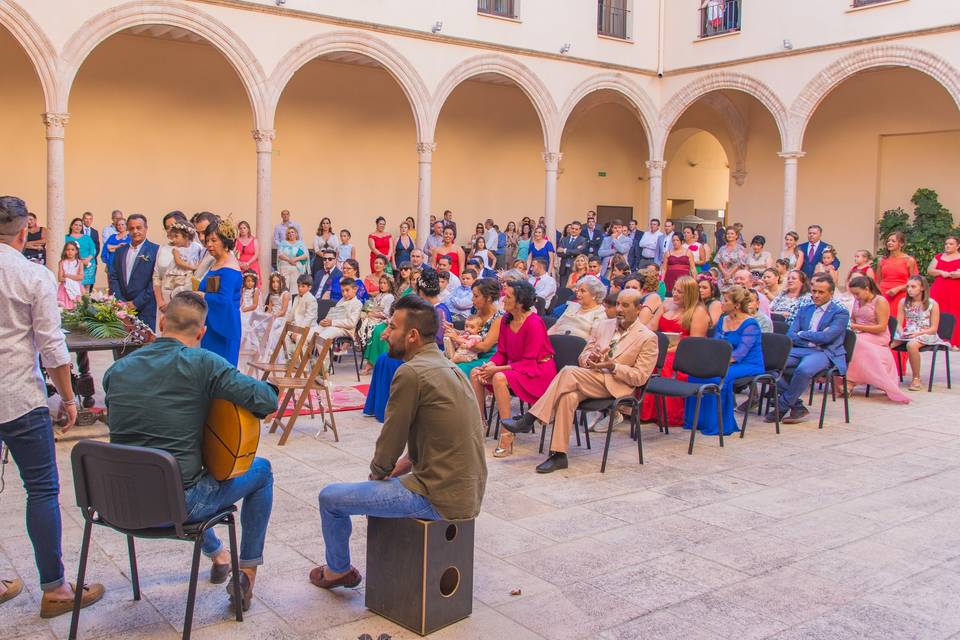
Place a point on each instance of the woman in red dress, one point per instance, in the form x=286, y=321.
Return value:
x=680, y=262
x=945, y=269
x=685, y=315
x=894, y=270
x=381, y=243
x=247, y=250
x=523, y=362
x=451, y=250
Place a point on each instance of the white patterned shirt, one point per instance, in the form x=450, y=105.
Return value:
x=29, y=330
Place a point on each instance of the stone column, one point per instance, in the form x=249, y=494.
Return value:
x=551, y=161
x=56, y=203
x=424, y=188
x=264, y=139
x=790, y=159
x=655, y=197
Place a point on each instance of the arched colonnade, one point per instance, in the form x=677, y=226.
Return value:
x=56, y=72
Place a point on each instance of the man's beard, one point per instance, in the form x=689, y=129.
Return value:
x=396, y=353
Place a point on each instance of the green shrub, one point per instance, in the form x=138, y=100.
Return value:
x=925, y=233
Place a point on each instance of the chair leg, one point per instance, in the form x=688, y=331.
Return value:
x=896, y=359
x=946, y=357
x=543, y=437
x=846, y=400
x=867, y=392
x=586, y=429
x=826, y=392
x=635, y=420
x=287, y=428
x=356, y=358
x=696, y=421
x=746, y=413
x=278, y=418
x=810, y=401
x=134, y=574
x=606, y=446
x=192, y=590
x=235, y=564
x=719, y=419
x=662, y=414
x=933, y=368
x=576, y=428
x=81, y=576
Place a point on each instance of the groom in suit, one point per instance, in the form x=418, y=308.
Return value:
x=618, y=358
x=818, y=332
x=131, y=278
x=813, y=250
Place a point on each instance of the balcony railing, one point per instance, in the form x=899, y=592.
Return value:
x=612, y=20
x=502, y=8
x=719, y=16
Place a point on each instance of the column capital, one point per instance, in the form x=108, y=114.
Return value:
x=264, y=139
x=552, y=159
x=55, y=123
x=656, y=167
x=792, y=155
x=425, y=151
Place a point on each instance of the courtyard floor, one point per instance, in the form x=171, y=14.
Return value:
x=852, y=531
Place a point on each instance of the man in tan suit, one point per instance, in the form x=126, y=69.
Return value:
x=618, y=358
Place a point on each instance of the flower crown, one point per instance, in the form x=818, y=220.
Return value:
x=183, y=226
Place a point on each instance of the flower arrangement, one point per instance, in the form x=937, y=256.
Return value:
x=102, y=316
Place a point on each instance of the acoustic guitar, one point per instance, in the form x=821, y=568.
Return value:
x=230, y=438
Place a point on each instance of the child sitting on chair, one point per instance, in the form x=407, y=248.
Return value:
x=303, y=306
x=342, y=320
x=463, y=351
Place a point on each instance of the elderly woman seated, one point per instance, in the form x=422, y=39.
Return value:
x=581, y=316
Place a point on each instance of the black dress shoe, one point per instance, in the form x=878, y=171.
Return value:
x=554, y=462
x=797, y=414
x=772, y=416
x=520, y=424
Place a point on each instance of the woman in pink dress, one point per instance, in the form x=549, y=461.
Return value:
x=945, y=269
x=247, y=250
x=523, y=363
x=380, y=243
x=872, y=362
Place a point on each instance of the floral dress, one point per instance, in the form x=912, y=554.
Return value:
x=729, y=260
x=916, y=319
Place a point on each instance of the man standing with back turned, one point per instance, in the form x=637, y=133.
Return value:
x=432, y=413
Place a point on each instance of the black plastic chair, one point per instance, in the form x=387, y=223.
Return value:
x=780, y=327
x=776, y=351
x=549, y=321
x=610, y=406
x=541, y=306
x=562, y=296
x=701, y=358
x=826, y=378
x=139, y=492
x=566, y=352
x=945, y=333
x=778, y=317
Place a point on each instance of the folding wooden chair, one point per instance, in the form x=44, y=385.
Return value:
x=293, y=360
x=308, y=377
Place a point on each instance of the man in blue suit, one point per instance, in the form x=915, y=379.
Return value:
x=131, y=278
x=325, y=274
x=592, y=233
x=813, y=250
x=818, y=333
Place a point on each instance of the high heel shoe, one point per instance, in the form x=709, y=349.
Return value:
x=503, y=451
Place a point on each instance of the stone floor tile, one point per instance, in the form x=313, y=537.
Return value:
x=646, y=587
x=865, y=565
x=861, y=620
x=576, y=611
x=496, y=583
x=568, y=562
x=697, y=570
x=753, y=553
x=928, y=597
x=568, y=524
x=657, y=537
x=728, y=516
x=724, y=616
x=707, y=489
x=661, y=625
x=639, y=506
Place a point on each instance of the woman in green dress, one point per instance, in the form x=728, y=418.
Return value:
x=486, y=294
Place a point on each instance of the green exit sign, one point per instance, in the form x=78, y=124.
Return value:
x=602, y=174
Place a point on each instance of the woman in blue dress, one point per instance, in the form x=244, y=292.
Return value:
x=88, y=252
x=223, y=301
x=428, y=288
x=540, y=247
x=114, y=242
x=743, y=332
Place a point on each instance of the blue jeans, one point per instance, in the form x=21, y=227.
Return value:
x=381, y=498
x=30, y=439
x=808, y=362
x=208, y=497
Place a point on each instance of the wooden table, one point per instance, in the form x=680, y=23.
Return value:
x=82, y=344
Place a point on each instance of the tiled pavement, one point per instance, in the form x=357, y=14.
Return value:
x=848, y=532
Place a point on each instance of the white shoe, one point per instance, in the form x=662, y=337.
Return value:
x=601, y=424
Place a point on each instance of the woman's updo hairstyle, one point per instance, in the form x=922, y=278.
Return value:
x=739, y=298
x=428, y=284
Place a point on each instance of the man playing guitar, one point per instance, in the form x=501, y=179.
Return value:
x=159, y=397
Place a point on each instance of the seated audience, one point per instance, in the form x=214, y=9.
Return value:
x=745, y=279
x=919, y=320
x=618, y=358
x=794, y=296
x=581, y=316
x=443, y=474
x=303, y=306
x=710, y=297
x=460, y=300
x=458, y=345
x=148, y=407
x=817, y=331
x=342, y=320
x=523, y=362
x=543, y=283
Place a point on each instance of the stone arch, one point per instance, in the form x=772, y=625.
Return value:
x=163, y=12
x=641, y=103
x=37, y=46
x=523, y=77
x=880, y=56
x=689, y=94
x=363, y=44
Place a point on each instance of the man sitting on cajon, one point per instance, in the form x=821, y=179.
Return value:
x=619, y=357
x=431, y=412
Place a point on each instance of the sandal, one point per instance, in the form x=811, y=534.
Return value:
x=350, y=580
x=915, y=385
x=14, y=587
